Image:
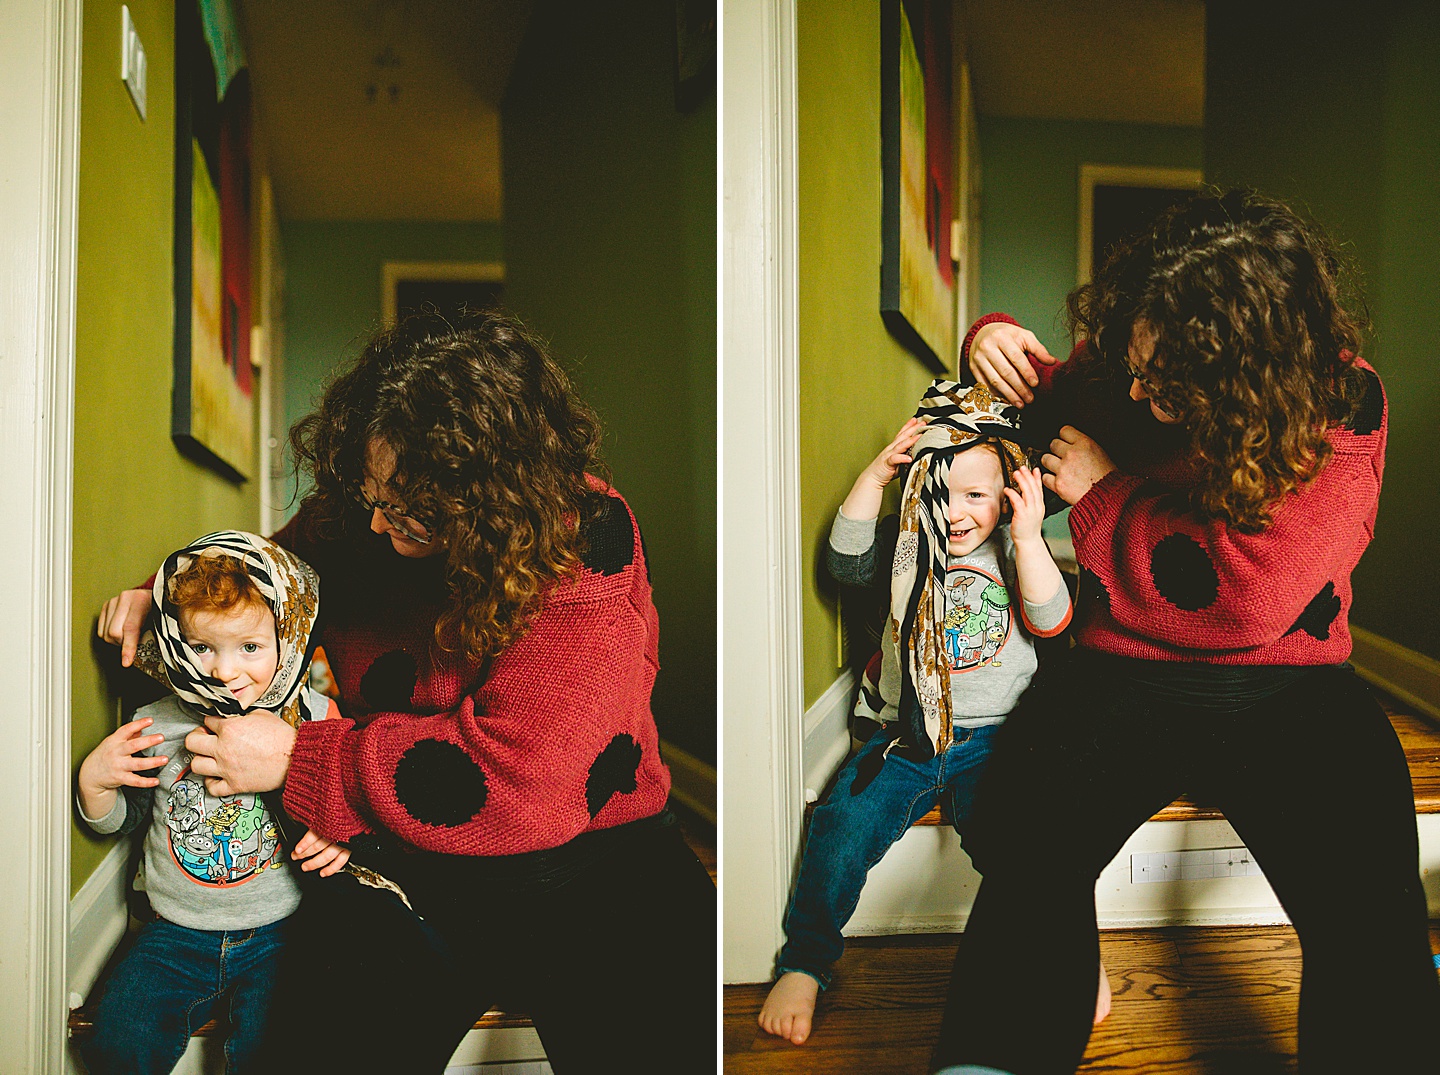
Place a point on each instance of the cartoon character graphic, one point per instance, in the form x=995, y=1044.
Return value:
x=975, y=628
x=219, y=841
x=183, y=809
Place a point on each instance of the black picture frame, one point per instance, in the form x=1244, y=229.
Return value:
x=920, y=316
x=199, y=118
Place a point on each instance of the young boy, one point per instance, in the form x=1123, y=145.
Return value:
x=233, y=614
x=956, y=654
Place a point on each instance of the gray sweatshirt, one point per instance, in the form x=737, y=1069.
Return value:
x=209, y=863
x=992, y=654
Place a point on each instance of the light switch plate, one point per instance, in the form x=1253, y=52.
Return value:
x=132, y=60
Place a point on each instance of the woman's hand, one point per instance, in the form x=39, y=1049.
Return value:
x=1027, y=505
x=1075, y=463
x=117, y=762
x=320, y=854
x=869, y=488
x=122, y=619
x=998, y=361
x=247, y=753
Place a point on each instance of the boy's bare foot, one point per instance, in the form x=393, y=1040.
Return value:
x=790, y=1007
x=1102, y=999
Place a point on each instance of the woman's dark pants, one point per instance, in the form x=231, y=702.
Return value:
x=1314, y=781
x=614, y=961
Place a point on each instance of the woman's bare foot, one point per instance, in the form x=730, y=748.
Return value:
x=790, y=1007
x=1102, y=999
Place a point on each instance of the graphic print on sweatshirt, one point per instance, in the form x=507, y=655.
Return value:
x=219, y=842
x=977, y=617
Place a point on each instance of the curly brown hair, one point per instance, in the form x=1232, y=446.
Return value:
x=1253, y=343
x=215, y=584
x=492, y=448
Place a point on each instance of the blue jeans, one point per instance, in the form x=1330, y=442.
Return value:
x=865, y=813
x=171, y=983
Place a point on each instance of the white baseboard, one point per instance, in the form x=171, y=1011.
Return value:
x=1411, y=677
x=98, y=917
x=502, y=1045
x=926, y=884
x=827, y=734
x=692, y=781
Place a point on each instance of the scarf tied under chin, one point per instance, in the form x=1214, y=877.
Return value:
x=291, y=590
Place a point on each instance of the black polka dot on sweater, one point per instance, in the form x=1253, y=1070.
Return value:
x=1184, y=574
x=1372, y=407
x=644, y=548
x=1091, y=590
x=439, y=784
x=389, y=681
x=609, y=539
x=613, y=773
x=364, y=843
x=1319, y=614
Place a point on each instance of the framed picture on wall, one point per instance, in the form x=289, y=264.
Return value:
x=917, y=152
x=1119, y=200
x=449, y=286
x=212, y=417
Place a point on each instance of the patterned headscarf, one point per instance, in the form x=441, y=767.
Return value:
x=290, y=588
x=957, y=418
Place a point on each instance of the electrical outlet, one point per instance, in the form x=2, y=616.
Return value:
x=132, y=60
x=1192, y=865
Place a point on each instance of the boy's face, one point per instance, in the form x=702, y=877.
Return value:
x=976, y=498
x=236, y=646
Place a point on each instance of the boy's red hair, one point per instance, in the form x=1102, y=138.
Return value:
x=215, y=584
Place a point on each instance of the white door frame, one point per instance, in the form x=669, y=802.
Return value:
x=762, y=694
x=39, y=118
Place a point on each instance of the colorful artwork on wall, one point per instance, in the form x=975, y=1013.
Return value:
x=917, y=275
x=213, y=405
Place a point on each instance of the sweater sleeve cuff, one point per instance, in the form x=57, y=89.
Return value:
x=988, y=319
x=111, y=822
x=852, y=537
x=317, y=785
x=1049, y=618
x=1107, y=495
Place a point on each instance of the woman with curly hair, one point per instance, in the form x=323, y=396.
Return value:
x=1222, y=446
x=488, y=621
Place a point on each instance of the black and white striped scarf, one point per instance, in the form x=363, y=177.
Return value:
x=291, y=590
x=957, y=418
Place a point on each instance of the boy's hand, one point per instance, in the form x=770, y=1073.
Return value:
x=320, y=854
x=869, y=488
x=1027, y=505
x=896, y=454
x=998, y=359
x=117, y=762
x=122, y=619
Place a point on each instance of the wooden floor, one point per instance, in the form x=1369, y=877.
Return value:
x=1188, y=1001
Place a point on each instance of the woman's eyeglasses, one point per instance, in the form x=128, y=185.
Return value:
x=407, y=527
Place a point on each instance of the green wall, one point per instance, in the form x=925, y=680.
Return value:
x=857, y=385
x=135, y=497
x=610, y=253
x=333, y=290
x=1029, y=206
x=1357, y=141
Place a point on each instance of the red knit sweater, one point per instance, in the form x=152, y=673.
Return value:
x=553, y=738
x=1160, y=583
